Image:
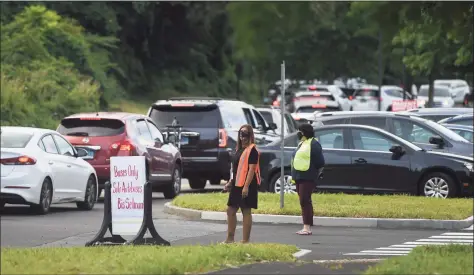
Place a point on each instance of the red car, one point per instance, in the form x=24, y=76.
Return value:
x=107, y=134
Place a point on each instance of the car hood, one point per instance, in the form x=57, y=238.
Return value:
x=452, y=156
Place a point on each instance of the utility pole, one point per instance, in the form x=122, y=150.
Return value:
x=282, y=119
x=404, y=73
x=380, y=59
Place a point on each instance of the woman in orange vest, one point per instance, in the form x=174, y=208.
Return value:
x=243, y=185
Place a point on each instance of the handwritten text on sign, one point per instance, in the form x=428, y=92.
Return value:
x=127, y=194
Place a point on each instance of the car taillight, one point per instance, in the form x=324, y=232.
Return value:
x=126, y=146
x=122, y=148
x=22, y=160
x=223, y=138
x=350, y=97
x=275, y=103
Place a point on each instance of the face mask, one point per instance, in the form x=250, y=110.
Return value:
x=299, y=135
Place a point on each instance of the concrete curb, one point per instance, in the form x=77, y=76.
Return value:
x=328, y=221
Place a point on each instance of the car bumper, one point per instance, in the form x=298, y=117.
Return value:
x=21, y=188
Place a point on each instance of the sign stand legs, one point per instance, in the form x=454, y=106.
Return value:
x=100, y=238
x=147, y=224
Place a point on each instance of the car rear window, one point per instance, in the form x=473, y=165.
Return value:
x=11, y=139
x=91, y=127
x=368, y=93
x=196, y=117
x=315, y=97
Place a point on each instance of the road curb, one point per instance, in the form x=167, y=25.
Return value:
x=327, y=221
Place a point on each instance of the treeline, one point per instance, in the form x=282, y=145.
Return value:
x=59, y=58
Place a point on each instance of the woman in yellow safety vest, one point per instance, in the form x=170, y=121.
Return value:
x=307, y=165
x=243, y=185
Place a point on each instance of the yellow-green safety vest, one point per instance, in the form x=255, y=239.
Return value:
x=301, y=161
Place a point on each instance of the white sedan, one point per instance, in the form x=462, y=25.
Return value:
x=39, y=168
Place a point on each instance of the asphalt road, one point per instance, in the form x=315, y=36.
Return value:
x=67, y=226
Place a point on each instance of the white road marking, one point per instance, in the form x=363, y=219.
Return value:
x=301, y=253
x=463, y=238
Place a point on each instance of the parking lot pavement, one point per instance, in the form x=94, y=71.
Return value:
x=298, y=268
x=67, y=224
x=326, y=243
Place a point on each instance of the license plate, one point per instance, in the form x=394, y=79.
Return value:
x=184, y=140
x=90, y=153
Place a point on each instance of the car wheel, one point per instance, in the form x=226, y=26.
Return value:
x=173, y=189
x=275, y=184
x=197, y=183
x=90, y=197
x=216, y=181
x=438, y=185
x=46, y=196
x=351, y=108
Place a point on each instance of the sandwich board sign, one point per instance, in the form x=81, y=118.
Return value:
x=127, y=194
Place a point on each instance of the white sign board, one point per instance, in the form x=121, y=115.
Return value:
x=127, y=194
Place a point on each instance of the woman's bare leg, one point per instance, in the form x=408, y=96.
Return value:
x=232, y=221
x=246, y=224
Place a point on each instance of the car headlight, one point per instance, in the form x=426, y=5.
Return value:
x=469, y=166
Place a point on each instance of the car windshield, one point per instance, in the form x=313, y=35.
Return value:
x=12, y=139
x=186, y=116
x=447, y=132
x=438, y=91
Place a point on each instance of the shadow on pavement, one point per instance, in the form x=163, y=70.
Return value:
x=298, y=268
x=26, y=211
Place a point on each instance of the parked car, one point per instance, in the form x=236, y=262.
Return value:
x=40, y=168
x=422, y=132
x=366, y=98
x=442, y=96
x=464, y=131
x=209, y=133
x=301, y=118
x=310, y=102
x=273, y=115
x=468, y=99
x=465, y=119
x=339, y=95
x=458, y=88
x=104, y=135
x=365, y=159
x=436, y=114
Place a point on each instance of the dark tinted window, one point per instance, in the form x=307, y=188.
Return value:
x=397, y=93
x=267, y=116
x=330, y=139
x=466, y=121
x=438, y=91
x=370, y=141
x=91, y=128
x=186, y=116
x=316, y=96
x=260, y=119
x=249, y=119
x=11, y=139
x=334, y=121
x=378, y=122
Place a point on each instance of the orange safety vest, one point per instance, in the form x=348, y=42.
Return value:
x=243, y=167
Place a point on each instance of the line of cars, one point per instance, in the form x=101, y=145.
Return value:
x=72, y=163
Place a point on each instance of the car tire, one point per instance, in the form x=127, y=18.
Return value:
x=390, y=109
x=275, y=180
x=438, y=182
x=216, y=181
x=173, y=189
x=90, y=196
x=46, y=196
x=197, y=183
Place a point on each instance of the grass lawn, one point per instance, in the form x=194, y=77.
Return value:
x=343, y=205
x=139, y=259
x=445, y=259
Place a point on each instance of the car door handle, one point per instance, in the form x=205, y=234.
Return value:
x=360, y=161
x=50, y=162
x=69, y=165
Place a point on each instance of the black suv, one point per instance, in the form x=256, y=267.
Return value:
x=424, y=133
x=209, y=133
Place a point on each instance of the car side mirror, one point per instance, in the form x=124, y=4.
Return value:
x=81, y=152
x=396, y=149
x=436, y=141
x=272, y=126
